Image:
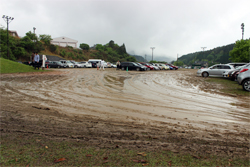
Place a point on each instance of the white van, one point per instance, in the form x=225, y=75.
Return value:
x=97, y=62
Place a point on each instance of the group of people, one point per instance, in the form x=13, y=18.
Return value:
x=101, y=65
x=118, y=64
x=35, y=58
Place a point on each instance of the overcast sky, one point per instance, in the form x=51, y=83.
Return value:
x=171, y=26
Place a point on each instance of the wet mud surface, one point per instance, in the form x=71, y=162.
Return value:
x=153, y=110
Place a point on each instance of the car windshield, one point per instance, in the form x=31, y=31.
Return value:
x=68, y=62
x=135, y=64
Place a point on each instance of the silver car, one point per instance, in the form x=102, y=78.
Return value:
x=215, y=70
x=244, y=78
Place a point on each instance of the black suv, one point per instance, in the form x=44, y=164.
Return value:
x=131, y=66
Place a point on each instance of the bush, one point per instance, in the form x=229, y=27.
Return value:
x=62, y=53
x=52, y=48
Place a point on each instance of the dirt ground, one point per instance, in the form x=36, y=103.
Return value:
x=153, y=110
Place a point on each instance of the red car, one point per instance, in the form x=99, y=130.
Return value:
x=147, y=65
x=174, y=67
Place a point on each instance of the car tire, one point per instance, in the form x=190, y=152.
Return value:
x=58, y=66
x=205, y=74
x=123, y=68
x=246, y=85
x=137, y=69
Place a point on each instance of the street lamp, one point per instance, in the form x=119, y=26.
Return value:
x=152, y=51
x=34, y=29
x=242, y=27
x=8, y=19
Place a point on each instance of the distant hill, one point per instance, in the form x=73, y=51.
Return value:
x=213, y=56
x=138, y=58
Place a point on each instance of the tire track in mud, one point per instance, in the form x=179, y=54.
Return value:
x=131, y=109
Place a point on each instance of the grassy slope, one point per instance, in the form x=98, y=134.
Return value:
x=8, y=66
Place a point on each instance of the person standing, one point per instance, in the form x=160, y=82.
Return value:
x=102, y=64
x=36, y=61
x=118, y=64
x=44, y=58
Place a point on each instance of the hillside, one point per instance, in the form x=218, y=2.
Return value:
x=22, y=48
x=216, y=55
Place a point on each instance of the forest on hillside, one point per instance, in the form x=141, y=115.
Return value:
x=22, y=48
x=213, y=56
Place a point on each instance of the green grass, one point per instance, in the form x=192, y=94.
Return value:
x=8, y=66
x=231, y=87
x=30, y=150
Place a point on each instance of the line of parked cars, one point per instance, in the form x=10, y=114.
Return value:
x=142, y=66
x=239, y=72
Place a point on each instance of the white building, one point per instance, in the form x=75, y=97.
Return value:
x=64, y=41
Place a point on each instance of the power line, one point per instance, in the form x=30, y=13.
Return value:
x=203, y=48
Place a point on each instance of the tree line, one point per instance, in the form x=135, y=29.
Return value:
x=22, y=48
x=236, y=52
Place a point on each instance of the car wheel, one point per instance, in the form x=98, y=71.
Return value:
x=137, y=69
x=123, y=68
x=84, y=66
x=246, y=85
x=205, y=74
x=58, y=66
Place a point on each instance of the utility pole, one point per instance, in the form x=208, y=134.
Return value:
x=8, y=19
x=242, y=27
x=177, y=57
x=203, y=48
x=152, y=52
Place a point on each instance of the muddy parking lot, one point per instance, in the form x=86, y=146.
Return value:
x=153, y=110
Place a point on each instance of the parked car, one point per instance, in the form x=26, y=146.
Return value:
x=237, y=64
x=131, y=66
x=67, y=63
x=55, y=64
x=86, y=64
x=147, y=65
x=173, y=67
x=233, y=74
x=144, y=67
x=244, y=78
x=111, y=65
x=164, y=67
x=97, y=63
x=215, y=70
x=78, y=65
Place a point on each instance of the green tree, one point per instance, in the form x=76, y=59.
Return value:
x=45, y=38
x=111, y=44
x=241, y=51
x=99, y=47
x=178, y=63
x=32, y=36
x=84, y=46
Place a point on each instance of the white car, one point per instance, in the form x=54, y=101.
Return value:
x=86, y=64
x=215, y=70
x=78, y=65
x=67, y=63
